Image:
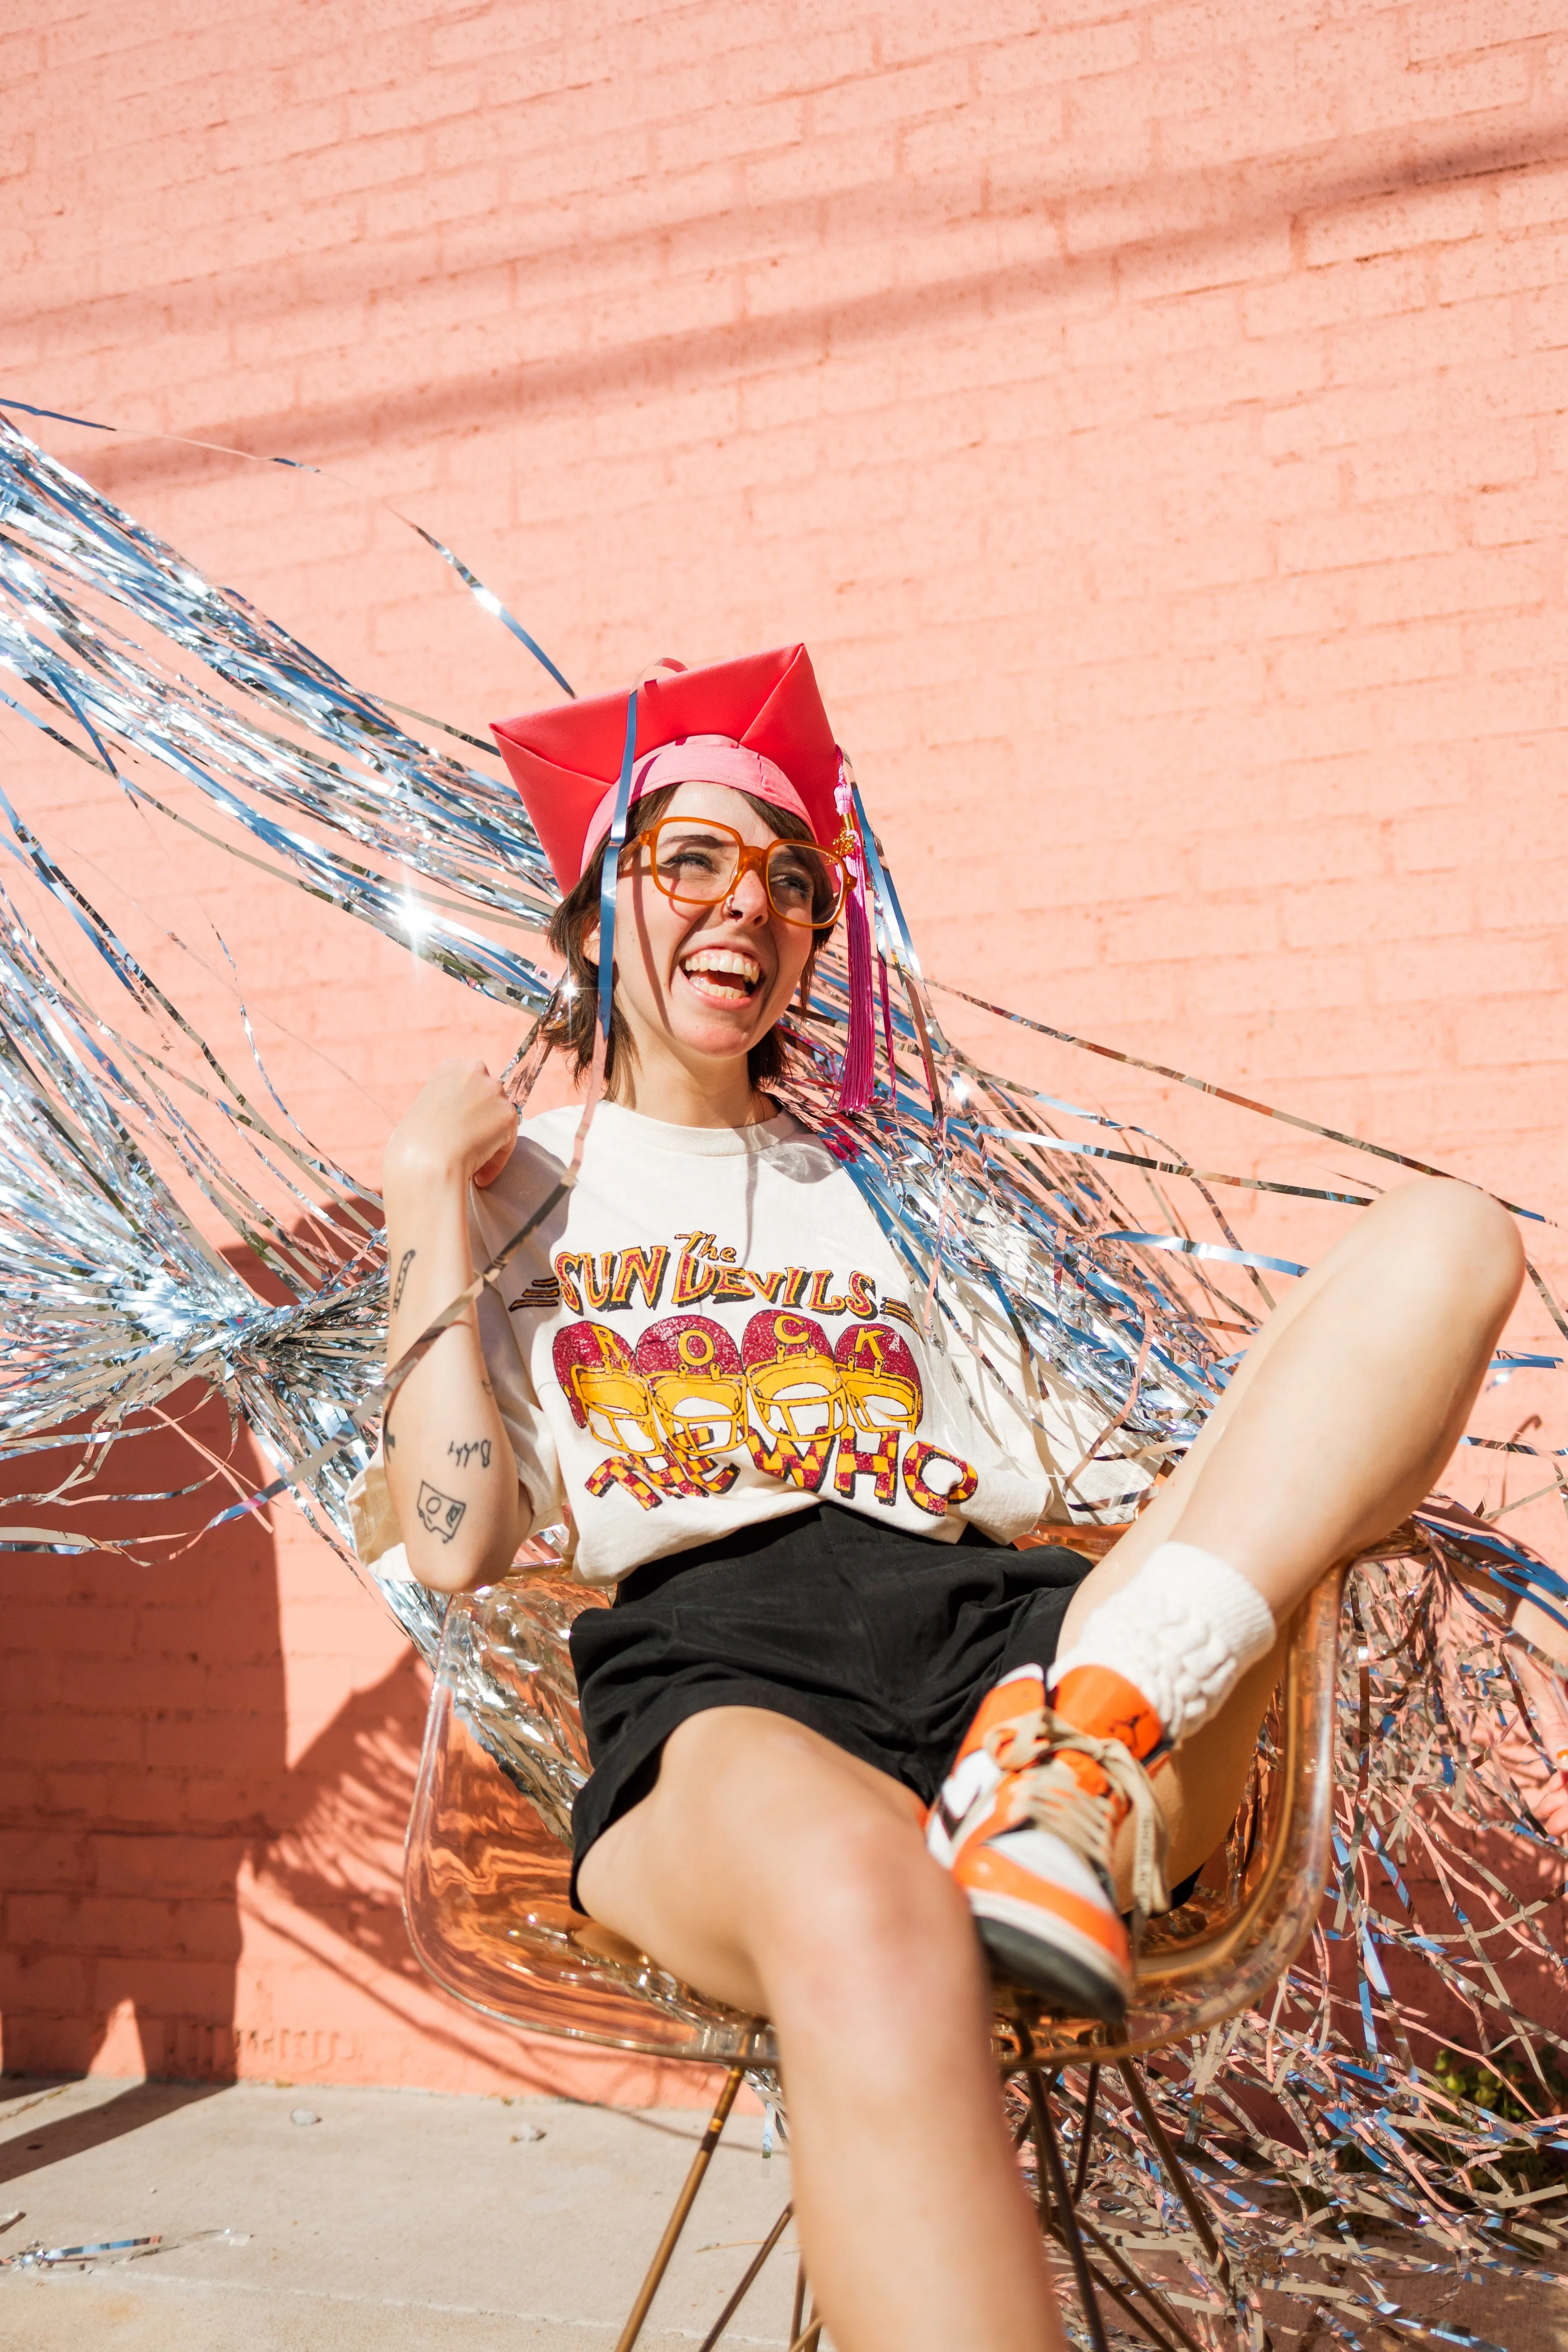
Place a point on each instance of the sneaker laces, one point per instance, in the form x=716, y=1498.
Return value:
x=1057, y=1801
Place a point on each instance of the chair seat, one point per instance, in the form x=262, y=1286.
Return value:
x=486, y=1871
x=485, y=1883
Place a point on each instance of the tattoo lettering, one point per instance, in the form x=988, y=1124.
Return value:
x=403, y=1265
x=463, y=1453
x=440, y=1513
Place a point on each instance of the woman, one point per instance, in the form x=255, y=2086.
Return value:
x=846, y=1740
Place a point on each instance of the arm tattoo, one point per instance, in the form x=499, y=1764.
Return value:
x=440, y=1513
x=463, y=1453
x=403, y=1265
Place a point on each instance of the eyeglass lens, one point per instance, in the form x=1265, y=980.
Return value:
x=698, y=866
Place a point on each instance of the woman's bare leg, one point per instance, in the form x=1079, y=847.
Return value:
x=1350, y=1401
x=1201, y=1785
x=775, y=1872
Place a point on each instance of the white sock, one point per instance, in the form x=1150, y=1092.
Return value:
x=1182, y=1630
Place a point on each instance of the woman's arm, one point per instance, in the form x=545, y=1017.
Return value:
x=449, y=1462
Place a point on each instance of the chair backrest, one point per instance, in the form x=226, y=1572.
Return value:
x=486, y=1867
x=486, y=1872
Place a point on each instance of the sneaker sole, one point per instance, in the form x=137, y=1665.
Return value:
x=1073, y=1986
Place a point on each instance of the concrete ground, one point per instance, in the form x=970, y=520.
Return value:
x=404, y=2222
x=399, y=2221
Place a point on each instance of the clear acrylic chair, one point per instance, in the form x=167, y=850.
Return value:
x=485, y=1895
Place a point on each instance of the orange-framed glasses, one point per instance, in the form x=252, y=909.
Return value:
x=698, y=862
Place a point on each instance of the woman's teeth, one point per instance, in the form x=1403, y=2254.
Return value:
x=723, y=975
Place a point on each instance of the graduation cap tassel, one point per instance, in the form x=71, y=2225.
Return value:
x=860, y=1051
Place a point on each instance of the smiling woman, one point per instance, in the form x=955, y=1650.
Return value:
x=714, y=855
x=849, y=1742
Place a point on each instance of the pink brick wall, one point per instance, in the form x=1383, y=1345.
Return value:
x=1154, y=419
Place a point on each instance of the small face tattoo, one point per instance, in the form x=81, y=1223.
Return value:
x=441, y=1513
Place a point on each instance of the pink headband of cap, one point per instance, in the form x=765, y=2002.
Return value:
x=701, y=759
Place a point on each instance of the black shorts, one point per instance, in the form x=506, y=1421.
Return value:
x=882, y=1642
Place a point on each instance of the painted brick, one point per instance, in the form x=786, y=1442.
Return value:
x=1307, y=605
x=1444, y=462
x=1413, y=527
x=929, y=26
x=1499, y=265
x=825, y=62
x=1163, y=401
x=1532, y=197
x=1394, y=224
x=1421, y=342
x=1518, y=642
x=488, y=33
x=1259, y=130
x=1375, y=287
x=1243, y=255
x=1467, y=580
x=1511, y=706
x=1206, y=24
x=1274, y=371
x=1500, y=518
x=1442, y=95
x=1445, y=32
x=1370, y=657
x=1053, y=57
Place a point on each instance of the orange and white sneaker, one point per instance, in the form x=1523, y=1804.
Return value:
x=1025, y=1822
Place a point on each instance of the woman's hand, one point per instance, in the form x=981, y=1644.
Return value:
x=459, y=1129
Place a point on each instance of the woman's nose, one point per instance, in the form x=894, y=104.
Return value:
x=748, y=897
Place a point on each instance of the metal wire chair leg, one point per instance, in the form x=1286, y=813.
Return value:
x=1048, y=2158
x=1175, y=2334
x=1086, y=2133
x=743, y=2290
x=1177, y=2172
x=683, y=2204
x=802, y=2340
x=1137, y=2285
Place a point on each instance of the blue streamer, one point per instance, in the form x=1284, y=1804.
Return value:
x=1188, y=1248
x=610, y=870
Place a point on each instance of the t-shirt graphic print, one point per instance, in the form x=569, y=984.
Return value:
x=663, y=1381
x=788, y=1397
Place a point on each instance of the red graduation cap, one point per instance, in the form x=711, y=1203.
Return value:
x=778, y=745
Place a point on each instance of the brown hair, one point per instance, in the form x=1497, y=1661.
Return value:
x=574, y=1024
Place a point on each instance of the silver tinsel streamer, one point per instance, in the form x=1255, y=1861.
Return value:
x=1392, y=2129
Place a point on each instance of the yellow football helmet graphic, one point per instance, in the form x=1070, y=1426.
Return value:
x=694, y=1376
x=794, y=1381
x=606, y=1393
x=879, y=1378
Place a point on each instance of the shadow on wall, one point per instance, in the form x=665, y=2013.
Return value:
x=336, y=1844
x=1188, y=212
x=144, y=1773
x=143, y=1751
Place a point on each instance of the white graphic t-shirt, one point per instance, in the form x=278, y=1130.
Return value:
x=710, y=1331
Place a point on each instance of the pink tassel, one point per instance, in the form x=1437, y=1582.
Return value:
x=860, y=1051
